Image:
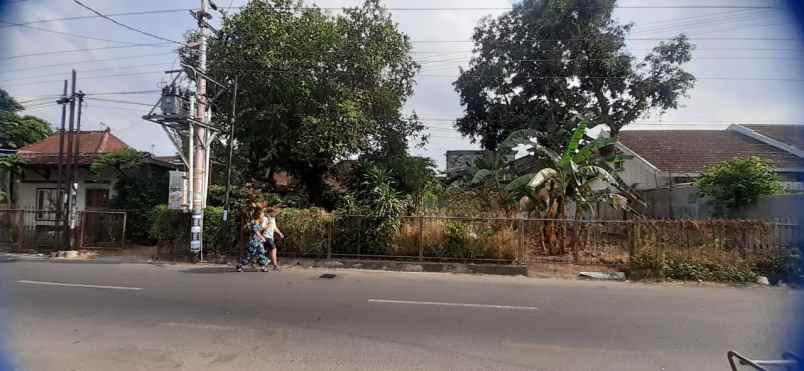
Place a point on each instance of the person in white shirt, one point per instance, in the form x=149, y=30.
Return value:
x=270, y=229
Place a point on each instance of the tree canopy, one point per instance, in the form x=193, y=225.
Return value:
x=739, y=182
x=19, y=131
x=314, y=88
x=546, y=61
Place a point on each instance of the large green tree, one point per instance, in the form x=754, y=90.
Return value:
x=17, y=131
x=314, y=87
x=546, y=61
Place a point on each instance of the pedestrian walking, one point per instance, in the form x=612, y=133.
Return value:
x=255, y=249
x=270, y=230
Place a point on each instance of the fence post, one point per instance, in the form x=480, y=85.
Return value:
x=521, y=258
x=83, y=227
x=420, y=242
x=21, y=229
x=330, y=232
x=123, y=240
x=574, y=240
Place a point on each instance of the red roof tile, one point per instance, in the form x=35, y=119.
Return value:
x=787, y=134
x=691, y=151
x=89, y=142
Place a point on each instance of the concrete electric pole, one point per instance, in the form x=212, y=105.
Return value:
x=200, y=137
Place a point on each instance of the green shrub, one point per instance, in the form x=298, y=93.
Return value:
x=784, y=266
x=174, y=226
x=306, y=231
x=718, y=266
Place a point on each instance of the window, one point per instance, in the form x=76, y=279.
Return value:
x=47, y=201
x=97, y=198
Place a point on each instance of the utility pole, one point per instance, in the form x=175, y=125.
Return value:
x=199, y=136
x=231, y=153
x=60, y=180
x=70, y=168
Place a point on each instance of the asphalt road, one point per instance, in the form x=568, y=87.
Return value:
x=144, y=317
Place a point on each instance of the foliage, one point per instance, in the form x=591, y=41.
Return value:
x=119, y=161
x=455, y=240
x=414, y=177
x=8, y=103
x=570, y=176
x=174, y=226
x=20, y=131
x=739, y=182
x=314, y=87
x=137, y=189
x=487, y=180
x=378, y=207
x=540, y=64
x=306, y=231
x=11, y=164
x=784, y=266
x=704, y=266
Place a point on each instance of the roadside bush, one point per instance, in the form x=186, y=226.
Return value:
x=456, y=240
x=784, y=266
x=306, y=231
x=172, y=227
x=718, y=266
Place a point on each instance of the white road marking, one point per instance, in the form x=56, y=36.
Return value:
x=465, y=305
x=78, y=285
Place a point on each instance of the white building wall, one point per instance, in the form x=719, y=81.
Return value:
x=27, y=188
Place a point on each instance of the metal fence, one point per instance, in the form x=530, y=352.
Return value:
x=30, y=229
x=523, y=241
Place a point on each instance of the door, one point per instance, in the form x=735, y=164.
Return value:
x=97, y=198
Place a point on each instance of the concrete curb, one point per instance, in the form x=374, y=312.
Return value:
x=383, y=265
x=401, y=266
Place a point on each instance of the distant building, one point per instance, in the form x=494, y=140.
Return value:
x=666, y=157
x=36, y=187
x=664, y=165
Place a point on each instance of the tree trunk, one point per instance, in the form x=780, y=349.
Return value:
x=312, y=178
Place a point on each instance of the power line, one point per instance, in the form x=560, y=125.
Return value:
x=783, y=79
x=627, y=38
x=67, y=33
x=125, y=25
x=147, y=12
x=162, y=44
x=128, y=57
x=122, y=102
x=136, y=92
x=166, y=64
x=440, y=9
x=89, y=78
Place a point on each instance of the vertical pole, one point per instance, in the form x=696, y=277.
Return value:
x=70, y=169
x=60, y=181
x=123, y=240
x=521, y=258
x=76, y=152
x=199, y=173
x=20, y=229
x=421, y=242
x=231, y=151
x=331, y=231
x=83, y=228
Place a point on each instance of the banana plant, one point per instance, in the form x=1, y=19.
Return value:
x=569, y=176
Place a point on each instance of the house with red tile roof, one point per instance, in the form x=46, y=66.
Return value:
x=36, y=187
x=662, y=158
x=664, y=164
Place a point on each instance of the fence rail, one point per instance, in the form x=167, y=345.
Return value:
x=31, y=229
x=523, y=241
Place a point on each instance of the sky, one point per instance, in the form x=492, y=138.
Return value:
x=756, y=79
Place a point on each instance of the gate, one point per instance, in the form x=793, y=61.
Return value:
x=102, y=229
